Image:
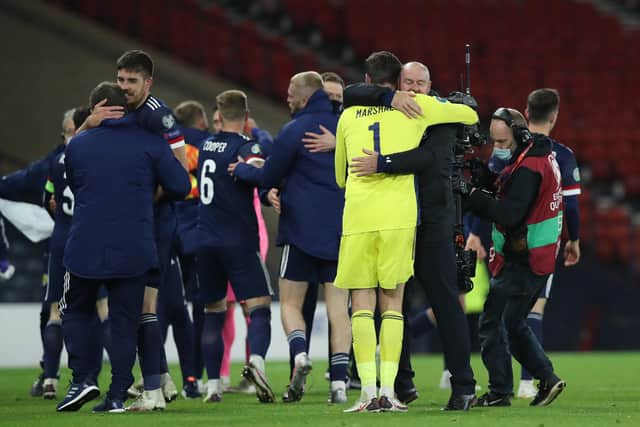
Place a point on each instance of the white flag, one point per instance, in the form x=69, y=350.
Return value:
x=32, y=220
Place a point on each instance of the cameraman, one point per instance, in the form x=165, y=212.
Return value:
x=542, y=114
x=435, y=264
x=527, y=217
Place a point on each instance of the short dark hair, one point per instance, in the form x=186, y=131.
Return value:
x=383, y=67
x=541, y=103
x=232, y=105
x=109, y=90
x=188, y=112
x=137, y=61
x=80, y=114
x=330, y=76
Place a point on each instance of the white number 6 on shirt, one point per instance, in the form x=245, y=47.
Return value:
x=206, y=183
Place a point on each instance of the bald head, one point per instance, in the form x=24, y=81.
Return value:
x=415, y=76
x=500, y=129
x=510, y=116
x=301, y=87
x=307, y=81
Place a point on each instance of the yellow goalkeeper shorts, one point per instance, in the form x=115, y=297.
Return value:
x=376, y=259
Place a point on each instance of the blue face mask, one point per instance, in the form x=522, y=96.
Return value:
x=502, y=153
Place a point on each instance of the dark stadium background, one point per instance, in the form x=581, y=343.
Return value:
x=55, y=51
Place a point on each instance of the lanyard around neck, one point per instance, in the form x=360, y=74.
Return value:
x=519, y=160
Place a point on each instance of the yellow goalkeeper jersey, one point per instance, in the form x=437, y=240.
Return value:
x=380, y=201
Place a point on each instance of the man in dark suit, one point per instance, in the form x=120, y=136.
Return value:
x=113, y=171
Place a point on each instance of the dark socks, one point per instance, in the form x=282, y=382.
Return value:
x=198, y=323
x=338, y=366
x=297, y=342
x=149, y=350
x=183, y=337
x=52, y=348
x=212, y=343
x=259, y=333
x=534, y=320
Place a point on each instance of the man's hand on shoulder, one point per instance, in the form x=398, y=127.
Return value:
x=365, y=165
x=320, y=142
x=101, y=112
x=232, y=166
x=404, y=102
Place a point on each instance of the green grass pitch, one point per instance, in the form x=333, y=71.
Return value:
x=603, y=389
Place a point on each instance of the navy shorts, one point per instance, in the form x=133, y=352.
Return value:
x=299, y=266
x=56, y=271
x=545, y=292
x=241, y=266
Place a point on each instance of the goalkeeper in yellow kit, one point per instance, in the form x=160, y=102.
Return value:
x=378, y=226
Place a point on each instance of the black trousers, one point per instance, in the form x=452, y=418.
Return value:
x=435, y=272
x=504, y=331
x=404, y=378
x=78, y=308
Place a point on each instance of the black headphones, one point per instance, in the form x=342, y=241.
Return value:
x=520, y=133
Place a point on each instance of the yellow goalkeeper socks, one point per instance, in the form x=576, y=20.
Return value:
x=390, y=348
x=364, y=348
